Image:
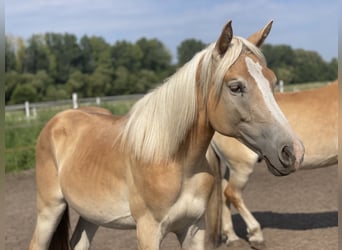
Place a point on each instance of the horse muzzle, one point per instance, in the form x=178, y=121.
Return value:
x=290, y=158
x=283, y=151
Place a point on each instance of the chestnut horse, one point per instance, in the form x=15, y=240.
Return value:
x=147, y=170
x=304, y=111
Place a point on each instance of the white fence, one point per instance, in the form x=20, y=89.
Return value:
x=30, y=109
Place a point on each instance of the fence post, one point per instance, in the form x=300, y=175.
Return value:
x=27, y=109
x=74, y=100
x=34, y=112
x=281, y=86
x=98, y=101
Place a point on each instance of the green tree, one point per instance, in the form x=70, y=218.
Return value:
x=57, y=92
x=65, y=52
x=20, y=54
x=53, y=65
x=14, y=90
x=156, y=56
x=100, y=82
x=331, y=73
x=76, y=83
x=308, y=66
x=126, y=54
x=284, y=73
x=40, y=82
x=34, y=84
x=121, y=81
x=12, y=79
x=187, y=49
x=88, y=61
x=278, y=55
x=297, y=66
x=36, y=57
x=95, y=52
x=10, y=59
x=24, y=92
x=146, y=79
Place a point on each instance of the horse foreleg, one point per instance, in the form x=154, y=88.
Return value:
x=193, y=237
x=149, y=233
x=255, y=236
x=83, y=234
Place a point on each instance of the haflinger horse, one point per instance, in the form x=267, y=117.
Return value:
x=313, y=115
x=148, y=170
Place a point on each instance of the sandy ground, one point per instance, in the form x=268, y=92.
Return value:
x=296, y=212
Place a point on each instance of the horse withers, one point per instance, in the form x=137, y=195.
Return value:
x=313, y=115
x=147, y=170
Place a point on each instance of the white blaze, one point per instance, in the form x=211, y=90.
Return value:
x=255, y=70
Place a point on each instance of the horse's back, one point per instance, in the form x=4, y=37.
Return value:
x=95, y=110
x=313, y=115
x=77, y=139
x=74, y=125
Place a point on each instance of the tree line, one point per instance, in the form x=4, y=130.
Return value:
x=52, y=66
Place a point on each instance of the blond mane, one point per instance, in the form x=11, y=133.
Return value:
x=159, y=122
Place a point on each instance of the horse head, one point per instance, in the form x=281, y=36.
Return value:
x=240, y=101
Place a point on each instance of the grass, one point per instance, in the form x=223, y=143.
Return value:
x=20, y=144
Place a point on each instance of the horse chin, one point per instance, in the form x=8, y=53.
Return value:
x=273, y=169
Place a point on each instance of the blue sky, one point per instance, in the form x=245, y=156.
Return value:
x=307, y=24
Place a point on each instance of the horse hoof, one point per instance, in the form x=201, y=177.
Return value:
x=223, y=238
x=258, y=245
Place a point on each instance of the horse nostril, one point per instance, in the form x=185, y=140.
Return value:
x=286, y=152
x=287, y=157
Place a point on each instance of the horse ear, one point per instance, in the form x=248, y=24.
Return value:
x=259, y=37
x=225, y=38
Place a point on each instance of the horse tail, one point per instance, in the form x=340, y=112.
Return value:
x=60, y=239
x=214, y=210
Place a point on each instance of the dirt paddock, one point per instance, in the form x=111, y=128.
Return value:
x=296, y=212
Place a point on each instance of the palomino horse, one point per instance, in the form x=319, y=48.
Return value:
x=313, y=115
x=147, y=170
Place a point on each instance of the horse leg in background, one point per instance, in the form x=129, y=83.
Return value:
x=239, y=174
x=83, y=234
x=229, y=236
x=255, y=236
x=219, y=219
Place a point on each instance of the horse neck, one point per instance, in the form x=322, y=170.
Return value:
x=195, y=146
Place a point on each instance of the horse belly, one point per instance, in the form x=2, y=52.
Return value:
x=102, y=199
x=109, y=212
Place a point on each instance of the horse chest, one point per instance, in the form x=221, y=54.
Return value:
x=192, y=202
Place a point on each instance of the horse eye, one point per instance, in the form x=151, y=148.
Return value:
x=236, y=87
